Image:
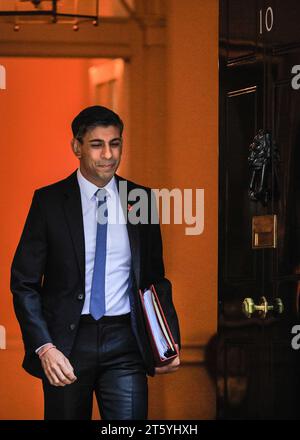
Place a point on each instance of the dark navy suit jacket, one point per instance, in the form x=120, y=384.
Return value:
x=48, y=273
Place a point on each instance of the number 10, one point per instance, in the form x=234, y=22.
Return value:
x=269, y=19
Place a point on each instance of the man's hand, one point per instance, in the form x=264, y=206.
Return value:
x=170, y=367
x=57, y=368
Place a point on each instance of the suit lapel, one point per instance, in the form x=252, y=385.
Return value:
x=73, y=212
x=133, y=230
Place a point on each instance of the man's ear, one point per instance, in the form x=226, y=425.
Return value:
x=76, y=147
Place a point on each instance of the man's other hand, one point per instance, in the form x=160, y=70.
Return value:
x=170, y=367
x=57, y=368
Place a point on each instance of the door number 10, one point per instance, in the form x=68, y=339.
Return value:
x=269, y=19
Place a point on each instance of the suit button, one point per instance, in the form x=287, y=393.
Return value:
x=80, y=296
x=72, y=326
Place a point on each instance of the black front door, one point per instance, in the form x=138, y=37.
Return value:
x=259, y=232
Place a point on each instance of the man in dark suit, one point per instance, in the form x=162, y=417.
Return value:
x=75, y=279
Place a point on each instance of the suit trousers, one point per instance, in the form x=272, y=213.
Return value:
x=106, y=360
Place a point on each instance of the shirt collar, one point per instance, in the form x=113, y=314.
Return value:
x=89, y=188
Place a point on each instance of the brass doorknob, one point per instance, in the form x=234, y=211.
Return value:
x=249, y=307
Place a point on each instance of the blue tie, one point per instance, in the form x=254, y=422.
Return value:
x=97, y=302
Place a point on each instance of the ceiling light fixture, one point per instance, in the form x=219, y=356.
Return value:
x=53, y=11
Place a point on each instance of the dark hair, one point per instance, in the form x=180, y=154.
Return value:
x=92, y=117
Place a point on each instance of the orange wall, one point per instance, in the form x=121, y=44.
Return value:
x=193, y=129
x=192, y=116
x=41, y=98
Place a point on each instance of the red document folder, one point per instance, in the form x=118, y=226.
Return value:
x=161, y=339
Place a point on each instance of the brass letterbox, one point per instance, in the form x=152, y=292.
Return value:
x=264, y=231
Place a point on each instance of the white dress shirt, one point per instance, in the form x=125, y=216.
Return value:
x=118, y=255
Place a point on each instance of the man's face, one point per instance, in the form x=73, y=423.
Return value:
x=99, y=154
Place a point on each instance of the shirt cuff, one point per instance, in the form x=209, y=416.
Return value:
x=44, y=345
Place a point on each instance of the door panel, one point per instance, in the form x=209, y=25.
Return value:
x=240, y=29
x=241, y=125
x=286, y=127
